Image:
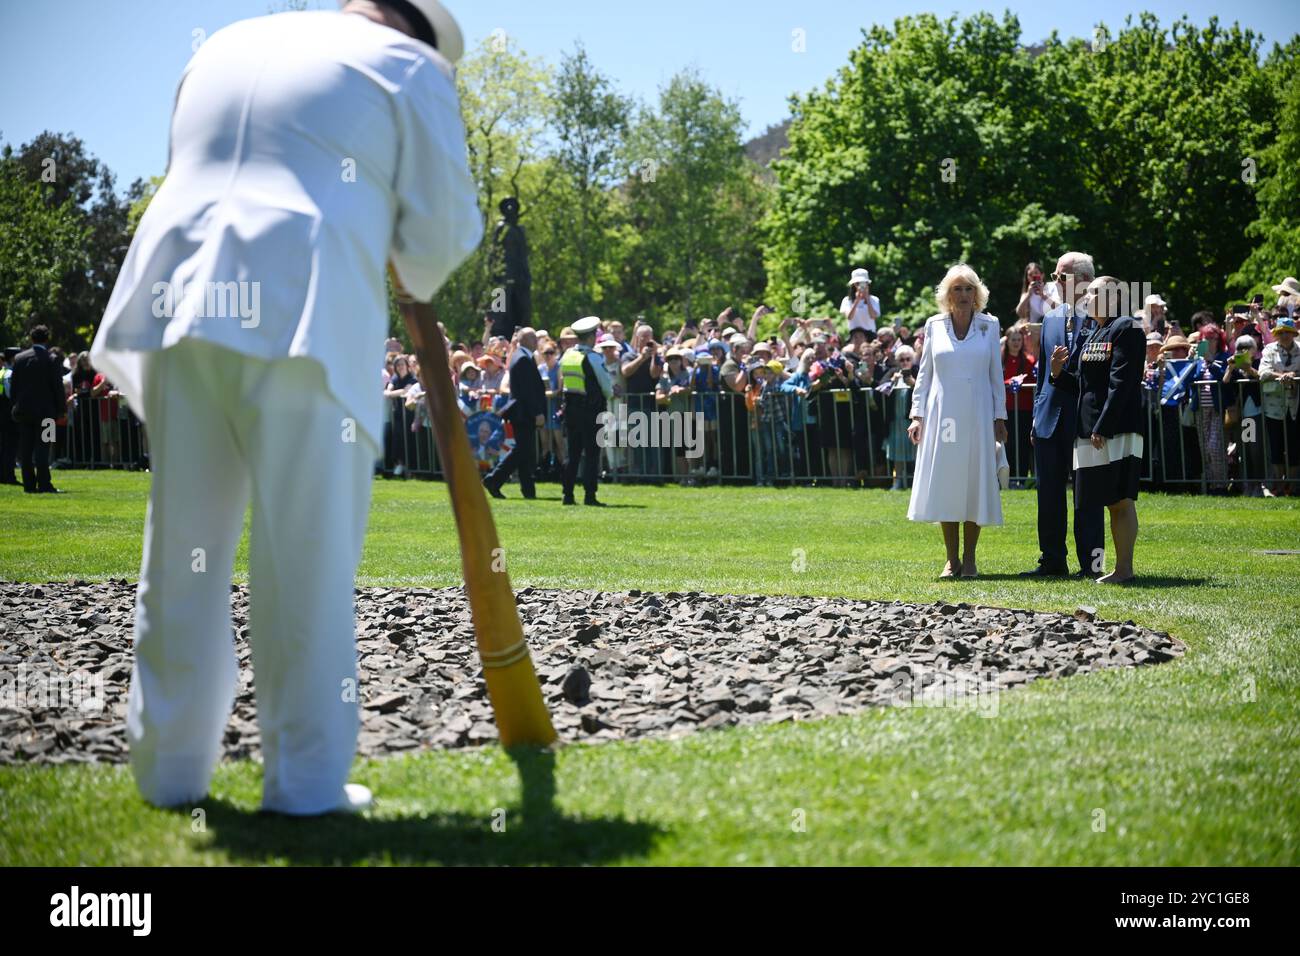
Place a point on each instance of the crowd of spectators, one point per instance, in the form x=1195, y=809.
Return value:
x=825, y=399
x=93, y=425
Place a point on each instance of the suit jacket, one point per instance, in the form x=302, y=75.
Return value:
x=526, y=387
x=36, y=388
x=1055, y=412
x=1106, y=376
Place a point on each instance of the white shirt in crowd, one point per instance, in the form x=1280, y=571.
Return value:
x=1038, y=307
x=1279, y=401
x=856, y=312
x=307, y=150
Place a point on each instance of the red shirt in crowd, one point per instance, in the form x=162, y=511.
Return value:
x=107, y=406
x=1012, y=366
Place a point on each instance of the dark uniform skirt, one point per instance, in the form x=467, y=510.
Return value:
x=1105, y=476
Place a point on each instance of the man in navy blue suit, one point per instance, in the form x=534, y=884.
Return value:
x=36, y=399
x=1055, y=426
x=526, y=413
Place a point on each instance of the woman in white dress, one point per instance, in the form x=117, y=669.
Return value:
x=959, y=411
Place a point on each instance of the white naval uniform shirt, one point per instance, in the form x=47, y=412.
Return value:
x=307, y=149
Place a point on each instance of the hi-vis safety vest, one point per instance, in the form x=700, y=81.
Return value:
x=572, y=374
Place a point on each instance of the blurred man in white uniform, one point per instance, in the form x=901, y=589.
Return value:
x=307, y=150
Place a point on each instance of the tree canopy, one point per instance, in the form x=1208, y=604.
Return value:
x=1171, y=153
x=950, y=140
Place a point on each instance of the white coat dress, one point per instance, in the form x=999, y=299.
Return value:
x=959, y=392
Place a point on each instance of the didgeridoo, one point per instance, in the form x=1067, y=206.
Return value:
x=516, y=696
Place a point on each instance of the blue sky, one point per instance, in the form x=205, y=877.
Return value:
x=106, y=70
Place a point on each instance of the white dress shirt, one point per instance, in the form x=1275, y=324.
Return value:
x=307, y=149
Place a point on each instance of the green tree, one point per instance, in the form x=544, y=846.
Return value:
x=694, y=202
x=141, y=203
x=931, y=146
x=590, y=124
x=76, y=181
x=1177, y=117
x=505, y=104
x=41, y=242
x=1276, y=231
x=943, y=141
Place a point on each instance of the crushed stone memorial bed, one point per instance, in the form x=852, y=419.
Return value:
x=613, y=665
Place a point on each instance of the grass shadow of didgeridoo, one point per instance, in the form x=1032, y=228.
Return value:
x=533, y=832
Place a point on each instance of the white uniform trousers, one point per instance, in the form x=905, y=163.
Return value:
x=223, y=427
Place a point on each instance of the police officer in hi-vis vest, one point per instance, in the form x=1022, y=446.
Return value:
x=587, y=388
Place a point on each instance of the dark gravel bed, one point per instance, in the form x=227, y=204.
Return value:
x=613, y=665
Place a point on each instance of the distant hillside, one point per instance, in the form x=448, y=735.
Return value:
x=767, y=146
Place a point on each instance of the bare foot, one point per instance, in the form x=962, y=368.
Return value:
x=968, y=570
x=949, y=570
x=1114, y=578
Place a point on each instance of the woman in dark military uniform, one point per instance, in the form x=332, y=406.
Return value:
x=1105, y=370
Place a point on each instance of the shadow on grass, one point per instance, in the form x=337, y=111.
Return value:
x=1140, y=581
x=535, y=832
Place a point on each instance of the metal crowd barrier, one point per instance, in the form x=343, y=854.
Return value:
x=844, y=436
x=100, y=432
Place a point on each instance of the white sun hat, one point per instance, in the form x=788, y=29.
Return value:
x=450, y=41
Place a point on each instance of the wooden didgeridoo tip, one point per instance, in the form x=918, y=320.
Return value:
x=513, y=689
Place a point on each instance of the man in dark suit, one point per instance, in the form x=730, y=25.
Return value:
x=526, y=413
x=8, y=428
x=37, y=399
x=1054, y=431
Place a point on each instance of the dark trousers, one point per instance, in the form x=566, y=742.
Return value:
x=523, y=457
x=33, y=456
x=733, y=435
x=580, y=430
x=1019, y=454
x=1053, y=459
x=8, y=447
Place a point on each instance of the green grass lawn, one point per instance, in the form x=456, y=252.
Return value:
x=1196, y=762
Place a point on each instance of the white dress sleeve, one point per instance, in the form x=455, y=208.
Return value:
x=995, y=369
x=924, y=375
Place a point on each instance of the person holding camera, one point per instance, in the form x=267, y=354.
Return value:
x=1034, y=300
x=1154, y=314
x=642, y=370
x=1242, y=402
x=860, y=307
